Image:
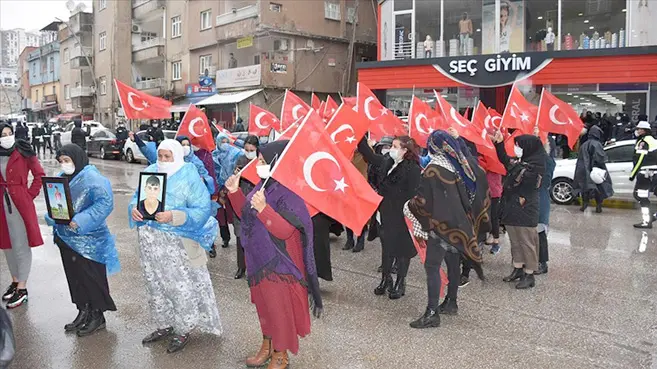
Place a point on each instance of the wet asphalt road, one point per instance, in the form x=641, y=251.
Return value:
x=595, y=308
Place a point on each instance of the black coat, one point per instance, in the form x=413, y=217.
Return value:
x=396, y=188
x=21, y=132
x=121, y=134
x=592, y=155
x=79, y=137
x=519, y=203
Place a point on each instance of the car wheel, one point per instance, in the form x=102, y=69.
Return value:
x=129, y=156
x=562, y=191
x=102, y=153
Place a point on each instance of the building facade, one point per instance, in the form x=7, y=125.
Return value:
x=43, y=76
x=12, y=43
x=596, y=55
x=24, y=79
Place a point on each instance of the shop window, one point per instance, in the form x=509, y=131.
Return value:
x=403, y=41
x=593, y=24
x=463, y=22
x=427, y=29
x=541, y=26
x=511, y=22
x=641, y=16
x=407, y=4
x=275, y=7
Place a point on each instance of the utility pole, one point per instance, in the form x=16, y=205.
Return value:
x=352, y=42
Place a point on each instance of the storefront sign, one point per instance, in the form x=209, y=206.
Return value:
x=278, y=68
x=196, y=90
x=245, y=42
x=635, y=105
x=239, y=77
x=491, y=71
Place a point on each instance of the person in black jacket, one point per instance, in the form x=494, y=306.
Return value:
x=47, y=133
x=155, y=133
x=37, y=138
x=79, y=135
x=121, y=134
x=400, y=173
x=519, y=204
x=21, y=131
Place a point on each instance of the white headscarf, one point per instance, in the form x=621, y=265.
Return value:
x=178, y=157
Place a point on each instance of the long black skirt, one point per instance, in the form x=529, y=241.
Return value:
x=322, y=246
x=87, y=280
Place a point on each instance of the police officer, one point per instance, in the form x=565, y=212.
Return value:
x=47, y=132
x=121, y=134
x=645, y=166
x=155, y=133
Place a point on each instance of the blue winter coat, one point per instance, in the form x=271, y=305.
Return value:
x=93, y=201
x=544, y=191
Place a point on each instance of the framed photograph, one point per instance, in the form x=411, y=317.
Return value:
x=152, y=194
x=58, y=199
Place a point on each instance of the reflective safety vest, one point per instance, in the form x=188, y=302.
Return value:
x=645, y=155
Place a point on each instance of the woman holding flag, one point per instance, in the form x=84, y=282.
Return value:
x=225, y=160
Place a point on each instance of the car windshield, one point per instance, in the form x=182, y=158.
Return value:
x=170, y=134
x=110, y=135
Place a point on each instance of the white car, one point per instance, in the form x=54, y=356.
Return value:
x=66, y=133
x=131, y=151
x=619, y=166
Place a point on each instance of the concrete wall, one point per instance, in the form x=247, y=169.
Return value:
x=177, y=48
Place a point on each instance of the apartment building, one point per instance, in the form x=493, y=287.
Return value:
x=24, y=79
x=12, y=43
x=76, y=61
x=112, y=55
x=148, y=46
x=44, y=69
x=10, y=101
x=257, y=49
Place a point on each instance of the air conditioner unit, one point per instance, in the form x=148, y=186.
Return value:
x=136, y=28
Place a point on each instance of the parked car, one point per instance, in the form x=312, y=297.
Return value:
x=619, y=166
x=66, y=133
x=132, y=153
x=104, y=144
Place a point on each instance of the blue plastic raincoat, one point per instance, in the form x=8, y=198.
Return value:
x=186, y=192
x=225, y=159
x=93, y=201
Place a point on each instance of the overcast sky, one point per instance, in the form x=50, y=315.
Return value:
x=33, y=14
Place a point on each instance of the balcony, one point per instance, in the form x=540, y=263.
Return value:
x=142, y=9
x=78, y=59
x=148, y=50
x=251, y=11
x=84, y=102
x=82, y=91
x=81, y=22
x=154, y=86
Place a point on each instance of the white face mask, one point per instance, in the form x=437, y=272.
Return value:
x=155, y=125
x=250, y=155
x=167, y=167
x=263, y=171
x=395, y=154
x=518, y=151
x=7, y=142
x=385, y=151
x=186, y=150
x=68, y=168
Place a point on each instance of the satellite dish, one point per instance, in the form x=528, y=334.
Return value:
x=70, y=5
x=80, y=7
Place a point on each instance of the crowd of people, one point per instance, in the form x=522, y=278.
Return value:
x=453, y=205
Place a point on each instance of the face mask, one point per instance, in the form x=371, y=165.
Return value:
x=394, y=154
x=637, y=134
x=68, y=168
x=263, y=171
x=518, y=151
x=165, y=167
x=385, y=151
x=224, y=146
x=7, y=142
x=155, y=125
x=186, y=150
x=250, y=155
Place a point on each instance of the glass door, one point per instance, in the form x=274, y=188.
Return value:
x=404, y=35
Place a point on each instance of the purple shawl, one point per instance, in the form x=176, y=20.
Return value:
x=266, y=255
x=208, y=163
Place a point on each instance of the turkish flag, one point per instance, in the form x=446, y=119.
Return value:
x=422, y=121
x=196, y=127
x=261, y=121
x=495, y=118
x=519, y=113
x=140, y=105
x=315, y=102
x=329, y=108
x=293, y=110
x=556, y=116
x=465, y=128
x=250, y=173
x=382, y=121
x=313, y=167
x=488, y=158
x=350, y=101
x=346, y=128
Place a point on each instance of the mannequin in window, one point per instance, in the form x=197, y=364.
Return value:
x=428, y=47
x=549, y=39
x=465, y=31
x=643, y=20
x=507, y=20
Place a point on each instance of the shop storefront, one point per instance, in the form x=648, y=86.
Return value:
x=596, y=55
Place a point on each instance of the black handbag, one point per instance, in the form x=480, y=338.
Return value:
x=7, y=342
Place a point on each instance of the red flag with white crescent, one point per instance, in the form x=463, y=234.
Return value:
x=422, y=121
x=315, y=101
x=140, y=105
x=556, y=116
x=195, y=126
x=464, y=127
x=293, y=111
x=329, y=108
x=483, y=123
x=261, y=121
x=383, y=122
x=519, y=113
x=346, y=128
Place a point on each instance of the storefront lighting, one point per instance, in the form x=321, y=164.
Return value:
x=624, y=10
x=586, y=21
x=592, y=27
x=580, y=14
x=478, y=29
x=575, y=96
x=569, y=94
x=540, y=17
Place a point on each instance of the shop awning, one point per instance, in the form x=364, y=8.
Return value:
x=182, y=105
x=43, y=108
x=229, y=97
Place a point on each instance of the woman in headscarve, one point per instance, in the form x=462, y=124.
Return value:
x=251, y=145
x=519, y=204
x=400, y=175
x=172, y=249
x=277, y=235
x=225, y=159
x=86, y=244
x=190, y=157
x=447, y=211
x=19, y=226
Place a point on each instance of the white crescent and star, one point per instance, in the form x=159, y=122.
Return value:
x=494, y=119
x=132, y=103
x=418, y=126
x=309, y=164
x=553, y=118
x=258, y=117
x=344, y=127
x=295, y=112
x=367, y=108
x=452, y=113
x=191, y=126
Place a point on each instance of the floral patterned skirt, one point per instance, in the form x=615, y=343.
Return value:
x=179, y=295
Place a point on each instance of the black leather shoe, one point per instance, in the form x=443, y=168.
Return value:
x=240, y=273
x=385, y=285
x=213, y=252
x=598, y=208
x=95, y=322
x=360, y=244
x=177, y=343
x=158, y=335
x=399, y=290
x=79, y=320
x=430, y=319
x=10, y=291
x=527, y=281
x=448, y=307
x=349, y=244
x=514, y=276
x=542, y=269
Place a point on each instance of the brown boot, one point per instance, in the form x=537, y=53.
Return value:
x=279, y=360
x=262, y=356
